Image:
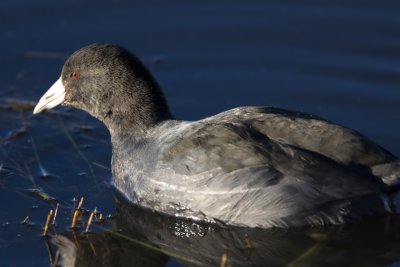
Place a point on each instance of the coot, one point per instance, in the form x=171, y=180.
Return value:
x=249, y=166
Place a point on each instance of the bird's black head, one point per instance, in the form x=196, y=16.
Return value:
x=112, y=85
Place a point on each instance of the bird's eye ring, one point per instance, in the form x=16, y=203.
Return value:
x=74, y=75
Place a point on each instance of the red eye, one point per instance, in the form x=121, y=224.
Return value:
x=74, y=75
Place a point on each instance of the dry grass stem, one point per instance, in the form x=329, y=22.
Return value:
x=224, y=260
x=46, y=226
x=75, y=218
x=55, y=214
x=80, y=204
x=76, y=147
x=101, y=165
x=90, y=221
x=249, y=243
x=91, y=245
x=76, y=239
x=50, y=252
x=43, y=172
x=25, y=221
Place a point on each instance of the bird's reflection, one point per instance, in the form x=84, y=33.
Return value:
x=144, y=238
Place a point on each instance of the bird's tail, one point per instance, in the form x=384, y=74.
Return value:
x=389, y=173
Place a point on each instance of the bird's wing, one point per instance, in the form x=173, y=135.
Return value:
x=250, y=172
x=229, y=147
x=208, y=145
x=312, y=133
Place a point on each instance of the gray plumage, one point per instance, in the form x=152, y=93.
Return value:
x=249, y=166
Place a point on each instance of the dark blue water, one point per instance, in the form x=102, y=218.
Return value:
x=340, y=60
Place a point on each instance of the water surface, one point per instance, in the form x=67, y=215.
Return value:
x=339, y=60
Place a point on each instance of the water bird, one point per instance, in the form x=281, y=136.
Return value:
x=248, y=166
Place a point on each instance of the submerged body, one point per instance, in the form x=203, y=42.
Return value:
x=256, y=167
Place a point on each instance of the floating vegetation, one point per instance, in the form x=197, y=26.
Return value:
x=83, y=128
x=17, y=133
x=31, y=154
x=79, y=215
x=27, y=222
x=21, y=106
x=17, y=105
x=43, y=172
x=101, y=166
x=5, y=170
x=39, y=193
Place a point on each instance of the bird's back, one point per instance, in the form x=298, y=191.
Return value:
x=228, y=168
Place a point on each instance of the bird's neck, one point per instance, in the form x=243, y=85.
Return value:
x=137, y=122
x=126, y=125
x=135, y=110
